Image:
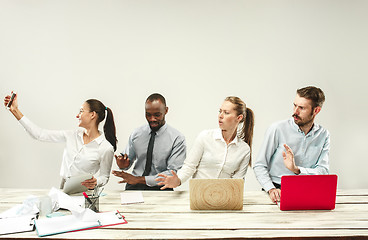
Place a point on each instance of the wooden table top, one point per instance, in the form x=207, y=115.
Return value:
x=167, y=215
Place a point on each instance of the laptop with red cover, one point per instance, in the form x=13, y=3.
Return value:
x=308, y=192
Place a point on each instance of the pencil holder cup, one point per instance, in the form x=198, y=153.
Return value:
x=93, y=204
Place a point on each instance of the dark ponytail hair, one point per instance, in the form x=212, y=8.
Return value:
x=109, y=127
x=246, y=132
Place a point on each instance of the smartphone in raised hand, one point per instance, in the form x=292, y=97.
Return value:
x=11, y=99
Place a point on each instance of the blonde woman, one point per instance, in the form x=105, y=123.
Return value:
x=224, y=152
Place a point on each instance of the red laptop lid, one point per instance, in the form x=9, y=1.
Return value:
x=308, y=192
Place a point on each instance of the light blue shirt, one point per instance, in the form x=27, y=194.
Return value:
x=169, y=151
x=310, y=152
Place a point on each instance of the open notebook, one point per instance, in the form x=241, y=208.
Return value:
x=70, y=223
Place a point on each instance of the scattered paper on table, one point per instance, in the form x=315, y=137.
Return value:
x=131, y=197
x=17, y=224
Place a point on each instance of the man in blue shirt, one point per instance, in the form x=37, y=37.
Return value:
x=156, y=148
x=294, y=146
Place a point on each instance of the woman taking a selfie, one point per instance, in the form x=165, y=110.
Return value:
x=87, y=150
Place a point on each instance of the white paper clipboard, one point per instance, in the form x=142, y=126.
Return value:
x=17, y=224
x=73, y=184
x=70, y=223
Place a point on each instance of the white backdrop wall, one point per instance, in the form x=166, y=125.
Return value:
x=57, y=54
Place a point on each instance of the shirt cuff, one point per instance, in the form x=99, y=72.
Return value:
x=23, y=121
x=303, y=171
x=181, y=178
x=268, y=186
x=98, y=182
x=150, y=181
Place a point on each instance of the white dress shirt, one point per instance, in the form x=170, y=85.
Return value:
x=78, y=158
x=211, y=157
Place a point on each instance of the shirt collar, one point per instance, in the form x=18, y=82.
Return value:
x=314, y=128
x=217, y=135
x=98, y=140
x=160, y=131
x=311, y=132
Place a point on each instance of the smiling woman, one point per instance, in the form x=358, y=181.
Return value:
x=87, y=150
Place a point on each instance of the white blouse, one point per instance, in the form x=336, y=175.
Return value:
x=211, y=157
x=78, y=158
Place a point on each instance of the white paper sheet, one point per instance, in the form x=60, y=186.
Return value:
x=28, y=207
x=65, y=201
x=17, y=224
x=51, y=226
x=131, y=197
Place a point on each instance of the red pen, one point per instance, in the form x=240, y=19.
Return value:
x=86, y=196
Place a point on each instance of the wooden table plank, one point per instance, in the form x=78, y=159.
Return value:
x=353, y=192
x=222, y=221
x=143, y=208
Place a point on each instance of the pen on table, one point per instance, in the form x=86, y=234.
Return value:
x=96, y=197
x=86, y=196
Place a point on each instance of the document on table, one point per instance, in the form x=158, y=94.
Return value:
x=111, y=218
x=17, y=224
x=73, y=184
x=56, y=225
x=131, y=197
x=70, y=223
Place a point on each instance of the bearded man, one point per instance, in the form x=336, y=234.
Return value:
x=294, y=146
